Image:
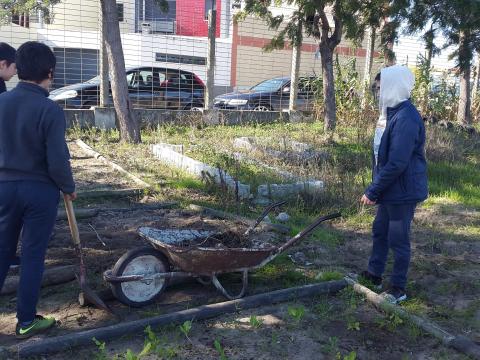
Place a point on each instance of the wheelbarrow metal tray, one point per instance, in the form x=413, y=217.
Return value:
x=203, y=260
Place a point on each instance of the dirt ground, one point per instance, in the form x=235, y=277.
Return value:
x=444, y=286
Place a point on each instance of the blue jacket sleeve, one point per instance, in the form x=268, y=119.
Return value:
x=403, y=137
x=58, y=156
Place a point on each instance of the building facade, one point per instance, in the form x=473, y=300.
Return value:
x=175, y=39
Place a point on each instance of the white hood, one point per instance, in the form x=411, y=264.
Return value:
x=396, y=85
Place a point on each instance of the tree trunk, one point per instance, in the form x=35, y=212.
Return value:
x=367, y=74
x=367, y=71
x=429, y=57
x=464, y=104
x=128, y=125
x=389, y=55
x=328, y=87
x=464, y=115
x=295, y=71
x=104, y=81
x=212, y=30
x=477, y=78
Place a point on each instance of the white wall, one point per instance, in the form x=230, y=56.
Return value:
x=409, y=47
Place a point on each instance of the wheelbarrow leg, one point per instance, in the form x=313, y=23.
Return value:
x=225, y=293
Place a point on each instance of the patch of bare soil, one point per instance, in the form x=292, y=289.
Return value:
x=270, y=332
x=93, y=174
x=445, y=266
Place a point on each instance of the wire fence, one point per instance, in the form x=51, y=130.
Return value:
x=166, y=54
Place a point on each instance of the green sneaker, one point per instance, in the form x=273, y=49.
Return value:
x=38, y=325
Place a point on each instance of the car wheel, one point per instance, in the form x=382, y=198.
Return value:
x=262, y=107
x=194, y=107
x=89, y=104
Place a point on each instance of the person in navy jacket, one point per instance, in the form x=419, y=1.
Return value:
x=7, y=65
x=34, y=168
x=399, y=179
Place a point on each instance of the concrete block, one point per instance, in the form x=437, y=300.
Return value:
x=79, y=118
x=280, y=191
x=105, y=118
x=245, y=143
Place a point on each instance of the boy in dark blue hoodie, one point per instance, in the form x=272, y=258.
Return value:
x=7, y=65
x=34, y=168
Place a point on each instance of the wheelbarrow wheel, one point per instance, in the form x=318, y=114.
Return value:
x=140, y=261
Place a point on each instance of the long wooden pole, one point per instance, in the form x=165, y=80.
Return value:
x=84, y=338
x=459, y=343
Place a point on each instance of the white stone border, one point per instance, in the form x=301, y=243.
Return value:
x=167, y=154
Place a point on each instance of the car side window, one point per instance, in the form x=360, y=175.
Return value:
x=130, y=77
x=304, y=87
x=145, y=79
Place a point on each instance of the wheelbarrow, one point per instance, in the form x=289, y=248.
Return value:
x=141, y=275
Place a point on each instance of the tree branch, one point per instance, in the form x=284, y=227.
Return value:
x=336, y=37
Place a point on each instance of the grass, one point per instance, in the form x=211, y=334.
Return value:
x=458, y=183
x=329, y=275
x=282, y=272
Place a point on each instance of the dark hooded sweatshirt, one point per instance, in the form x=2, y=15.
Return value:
x=32, y=138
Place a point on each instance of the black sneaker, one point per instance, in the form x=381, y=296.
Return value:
x=395, y=295
x=375, y=280
x=40, y=324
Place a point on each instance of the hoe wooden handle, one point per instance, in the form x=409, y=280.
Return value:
x=72, y=221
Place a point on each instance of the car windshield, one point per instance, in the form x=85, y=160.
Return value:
x=269, y=85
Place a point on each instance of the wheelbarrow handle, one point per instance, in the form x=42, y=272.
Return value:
x=263, y=214
x=307, y=231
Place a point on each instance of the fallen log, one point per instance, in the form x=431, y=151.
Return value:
x=83, y=338
x=52, y=276
x=458, y=342
x=156, y=206
x=79, y=214
x=89, y=151
x=110, y=193
x=229, y=216
x=89, y=213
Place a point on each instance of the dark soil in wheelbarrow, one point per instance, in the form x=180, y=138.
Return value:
x=230, y=239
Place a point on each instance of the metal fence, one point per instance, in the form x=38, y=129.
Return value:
x=166, y=54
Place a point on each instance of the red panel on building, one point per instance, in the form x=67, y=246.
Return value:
x=191, y=18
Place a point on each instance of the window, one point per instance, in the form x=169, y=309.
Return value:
x=209, y=5
x=236, y=4
x=21, y=19
x=141, y=80
x=120, y=12
x=180, y=59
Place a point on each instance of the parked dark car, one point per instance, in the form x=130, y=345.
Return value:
x=270, y=95
x=148, y=87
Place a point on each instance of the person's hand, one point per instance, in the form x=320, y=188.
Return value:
x=366, y=201
x=71, y=196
